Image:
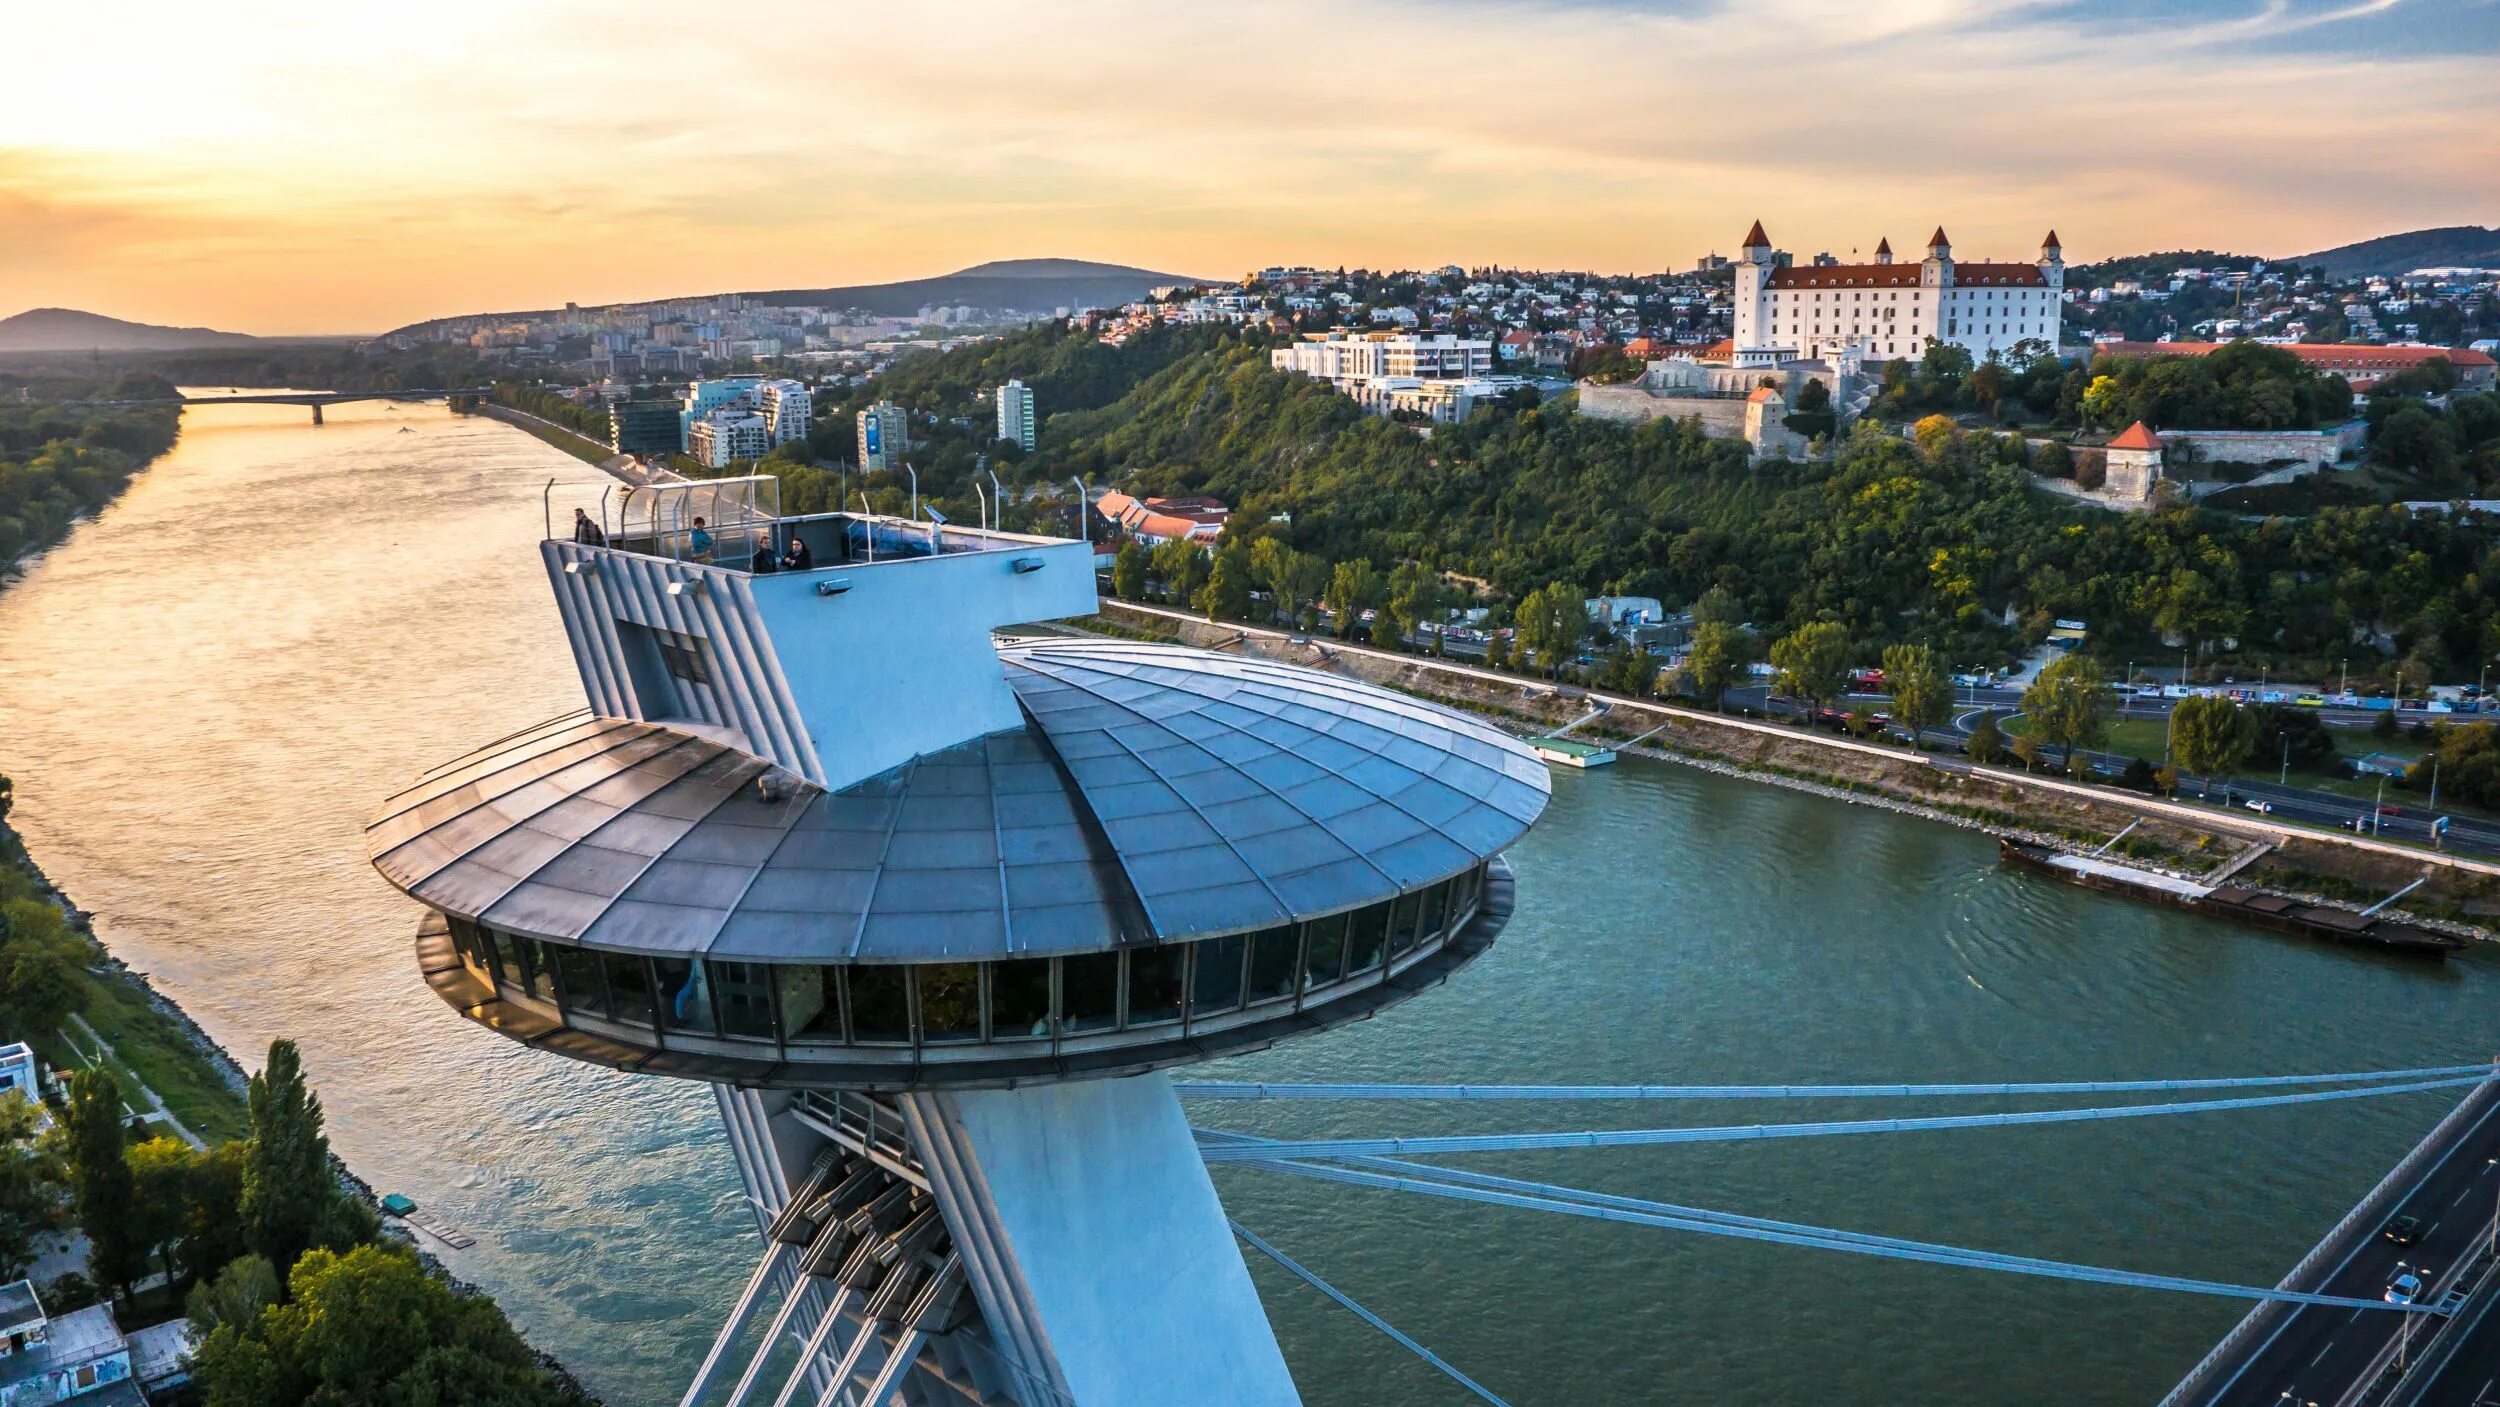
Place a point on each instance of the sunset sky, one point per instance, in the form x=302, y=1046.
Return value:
x=275, y=167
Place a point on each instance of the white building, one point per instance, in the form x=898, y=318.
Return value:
x=1015, y=415
x=884, y=437
x=1884, y=310
x=1438, y=377
x=728, y=434
x=786, y=406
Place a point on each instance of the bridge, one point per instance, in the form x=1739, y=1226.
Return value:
x=315, y=399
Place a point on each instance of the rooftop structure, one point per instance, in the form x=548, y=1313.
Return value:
x=1881, y=310
x=930, y=911
x=2359, y=364
x=81, y=1356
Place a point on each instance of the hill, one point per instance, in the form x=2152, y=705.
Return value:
x=2470, y=246
x=69, y=330
x=1027, y=285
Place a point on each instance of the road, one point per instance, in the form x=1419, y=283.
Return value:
x=2408, y=820
x=2320, y=1353
x=2463, y=1368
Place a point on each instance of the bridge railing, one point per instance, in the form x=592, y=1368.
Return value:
x=2369, y=1210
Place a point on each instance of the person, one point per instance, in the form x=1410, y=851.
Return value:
x=763, y=563
x=699, y=542
x=587, y=532
x=798, y=558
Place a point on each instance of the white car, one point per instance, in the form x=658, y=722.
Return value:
x=2405, y=1288
x=2262, y=808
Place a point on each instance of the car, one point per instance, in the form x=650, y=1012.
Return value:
x=2263, y=808
x=2391, y=810
x=2404, y=1289
x=2403, y=1230
x=2311, y=701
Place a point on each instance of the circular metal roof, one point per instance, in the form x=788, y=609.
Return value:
x=1155, y=793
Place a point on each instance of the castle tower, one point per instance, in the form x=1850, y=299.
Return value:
x=2053, y=262
x=1936, y=270
x=1756, y=261
x=2131, y=465
x=1883, y=251
x=932, y=914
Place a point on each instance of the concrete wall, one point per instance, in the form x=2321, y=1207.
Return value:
x=1634, y=404
x=2320, y=448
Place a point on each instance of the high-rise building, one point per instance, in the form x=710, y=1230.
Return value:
x=884, y=436
x=704, y=397
x=1015, y=415
x=728, y=434
x=644, y=428
x=786, y=406
x=932, y=914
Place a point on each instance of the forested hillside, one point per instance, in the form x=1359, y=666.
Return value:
x=1942, y=539
x=59, y=461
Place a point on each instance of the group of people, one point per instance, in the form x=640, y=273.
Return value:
x=796, y=557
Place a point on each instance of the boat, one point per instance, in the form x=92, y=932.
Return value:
x=1571, y=752
x=2237, y=902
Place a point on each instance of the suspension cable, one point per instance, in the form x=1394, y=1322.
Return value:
x=1341, y=1148
x=1222, y=1089
x=1719, y=1224
x=1383, y=1325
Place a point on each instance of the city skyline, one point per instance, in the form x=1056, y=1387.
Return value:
x=293, y=170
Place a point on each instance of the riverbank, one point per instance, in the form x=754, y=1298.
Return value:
x=2462, y=895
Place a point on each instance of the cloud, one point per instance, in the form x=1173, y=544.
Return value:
x=343, y=170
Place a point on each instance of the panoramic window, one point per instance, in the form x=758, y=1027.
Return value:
x=950, y=1001
x=585, y=989
x=1367, y=933
x=811, y=1004
x=685, y=999
x=1089, y=992
x=629, y=988
x=1323, y=951
x=1154, y=984
x=1019, y=998
x=1402, y=924
x=1275, y=961
x=744, y=995
x=880, y=1005
x=1215, y=981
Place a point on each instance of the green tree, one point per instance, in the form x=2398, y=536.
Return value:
x=1813, y=662
x=1226, y=594
x=1920, y=696
x=236, y=1295
x=1553, y=620
x=1352, y=589
x=1180, y=563
x=2209, y=734
x=1128, y=572
x=1414, y=599
x=288, y=1188
x=2067, y=705
x=1719, y=653
x=1293, y=579
x=30, y=1186
x=100, y=1178
x=1987, y=741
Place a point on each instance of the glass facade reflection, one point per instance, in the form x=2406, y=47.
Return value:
x=1049, y=1003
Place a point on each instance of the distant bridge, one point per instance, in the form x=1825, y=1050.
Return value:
x=314, y=399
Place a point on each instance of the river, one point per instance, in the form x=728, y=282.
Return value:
x=211, y=685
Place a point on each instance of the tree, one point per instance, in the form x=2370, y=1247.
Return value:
x=2209, y=734
x=2027, y=751
x=1720, y=652
x=1935, y=434
x=1128, y=571
x=100, y=1179
x=1920, y=696
x=288, y=1188
x=160, y=1205
x=1226, y=595
x=2067, y=705
x=1293, y=579
x=1553, y=620
x=30, y=1186
x=1987, y=741
x=1352, y=590
x=2293, y=735
x=236, y=1295
x=1179, y=563
x=1813, y=662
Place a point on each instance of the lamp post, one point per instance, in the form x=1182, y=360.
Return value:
x=2345, y=687
x=2286, y=778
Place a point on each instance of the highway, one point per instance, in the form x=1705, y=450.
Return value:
x=2303, y=1354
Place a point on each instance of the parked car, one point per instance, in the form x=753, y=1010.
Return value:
x=2404, y=1289
x=2404, y=1230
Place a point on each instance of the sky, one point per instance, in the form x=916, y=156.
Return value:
x=328, y=168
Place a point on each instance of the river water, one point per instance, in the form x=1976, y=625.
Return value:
x=209, y=688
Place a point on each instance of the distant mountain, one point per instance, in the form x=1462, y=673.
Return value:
x=2450, y=246
x=1030, y=285
x=68, y=330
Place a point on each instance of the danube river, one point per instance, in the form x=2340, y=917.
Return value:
x=211, y=686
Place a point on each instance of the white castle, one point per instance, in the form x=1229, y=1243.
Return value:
x=1884, y=310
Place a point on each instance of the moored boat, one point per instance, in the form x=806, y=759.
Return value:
x=2254, y=907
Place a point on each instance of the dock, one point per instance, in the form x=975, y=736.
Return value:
x=2240, y=903
x=1571, y=752
x=425, y=1221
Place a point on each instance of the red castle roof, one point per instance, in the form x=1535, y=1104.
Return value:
x=2137, y=436
x=1755, y=238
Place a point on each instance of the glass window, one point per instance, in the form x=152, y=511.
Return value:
x=629, y=988
x=585, y=990
x=950, y=1001
x=1216, y=984
x=744, y=993
x=1436, y=904
x=534, y=959
x=685, y=999
x=1323, y=951
x=1154, y=984
x=1366, y=931
x=1402, y=924
x=1275, y=960
x=509, y=975
x=880, y=1005
x=1089, y=992
x=811, y=1003
x=1019, y=998
x=1463, y=894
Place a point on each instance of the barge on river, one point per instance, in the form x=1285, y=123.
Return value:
x=2231, y=901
